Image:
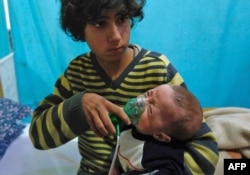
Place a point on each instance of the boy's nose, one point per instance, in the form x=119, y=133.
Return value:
x=114, y=33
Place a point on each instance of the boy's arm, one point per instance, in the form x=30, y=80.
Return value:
x=58, y=118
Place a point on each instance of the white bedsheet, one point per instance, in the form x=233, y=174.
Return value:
x=21, y=158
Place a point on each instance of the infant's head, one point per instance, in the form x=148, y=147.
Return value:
x=172, y=112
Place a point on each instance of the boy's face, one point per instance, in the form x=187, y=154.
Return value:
x=160, y=112
x=108, y=37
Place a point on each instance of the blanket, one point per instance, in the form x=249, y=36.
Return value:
x=231, y=126
x=11, y=126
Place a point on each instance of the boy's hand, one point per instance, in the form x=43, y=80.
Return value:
x=96, y=111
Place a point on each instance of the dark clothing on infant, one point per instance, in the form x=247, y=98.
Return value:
x=139, y=154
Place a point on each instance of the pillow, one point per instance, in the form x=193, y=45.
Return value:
x=11, y=126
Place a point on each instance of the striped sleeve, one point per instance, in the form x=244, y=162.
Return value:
x=59, y=117
x=201, y=155
x=172, y=75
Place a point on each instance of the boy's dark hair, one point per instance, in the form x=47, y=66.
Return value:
x=75, y=14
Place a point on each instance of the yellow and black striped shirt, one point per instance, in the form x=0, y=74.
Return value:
x=59, y=117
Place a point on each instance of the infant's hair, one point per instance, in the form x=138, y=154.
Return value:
x=190, y=112
x=76, y=14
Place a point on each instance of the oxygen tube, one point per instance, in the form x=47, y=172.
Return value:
x=133, y=108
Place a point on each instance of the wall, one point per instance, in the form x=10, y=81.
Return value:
x=8, y=87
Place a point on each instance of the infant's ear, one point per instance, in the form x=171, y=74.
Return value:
x=162, y=137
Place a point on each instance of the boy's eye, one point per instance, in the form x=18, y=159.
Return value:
x=123, y=18
x=98, y=24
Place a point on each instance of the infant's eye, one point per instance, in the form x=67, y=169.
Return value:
x=149, y=93
x=149, y=110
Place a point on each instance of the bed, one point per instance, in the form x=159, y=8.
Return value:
x=231, y=128
x=22, y=159
x=18, y=157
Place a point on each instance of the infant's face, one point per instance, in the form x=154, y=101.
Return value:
x=158, y=114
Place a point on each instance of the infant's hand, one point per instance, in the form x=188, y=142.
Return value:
x=96, y=110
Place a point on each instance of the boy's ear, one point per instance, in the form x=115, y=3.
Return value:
x=162, y=137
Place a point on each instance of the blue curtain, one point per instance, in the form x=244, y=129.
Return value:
x=4, y=36
x=41, y=49
x=207, y=41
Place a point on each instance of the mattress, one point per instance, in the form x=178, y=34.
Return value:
x=21, y=158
